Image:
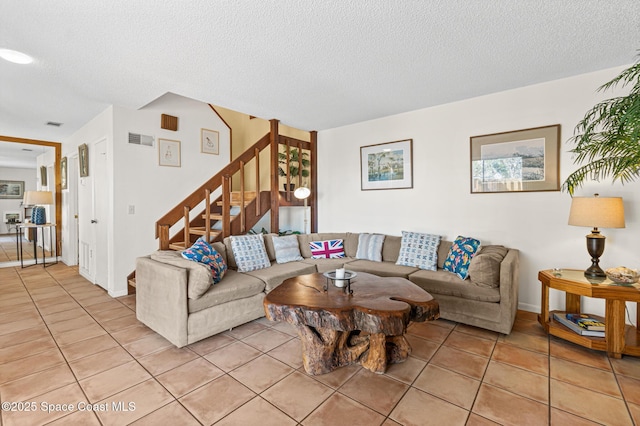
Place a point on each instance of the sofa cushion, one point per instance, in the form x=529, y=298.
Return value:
x=286, y=248
x=326, y=265
x=234, y=286
x=199, y=275
x=370, y=247
x=459, y=257
x=249, y=252
x=268, y=245
x=327, y=249
x=419, y=250
x=443, y=251
x=201, y=251
x=484, y=270
x=442, y=282
x=279, y=272
x=381, y=269
x=350, y=242
x=391, y=248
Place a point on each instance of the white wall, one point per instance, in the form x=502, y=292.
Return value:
x=136, y=179
x=152, y=189
x=440, y=201
x=14, y=204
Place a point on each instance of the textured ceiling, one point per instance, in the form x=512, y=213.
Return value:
x=313, y=64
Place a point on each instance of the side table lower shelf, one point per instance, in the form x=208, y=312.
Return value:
x=555, y=328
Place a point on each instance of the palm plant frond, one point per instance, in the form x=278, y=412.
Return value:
x=608, y=137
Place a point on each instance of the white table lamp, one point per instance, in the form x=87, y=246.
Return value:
x=38, y=199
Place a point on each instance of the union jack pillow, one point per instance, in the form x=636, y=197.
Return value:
x=328, y=249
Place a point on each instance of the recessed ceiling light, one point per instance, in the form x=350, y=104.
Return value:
x=15, y=56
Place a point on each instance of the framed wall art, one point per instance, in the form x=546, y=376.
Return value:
x=209, y=141
x=11, y=189
x=43, y=176
x=63, y=172
x=519, y=161
x=387, y=165
x=83, y=159
x=169, y=153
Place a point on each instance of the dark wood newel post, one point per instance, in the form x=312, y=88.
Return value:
x=275, y=204
x=314, y=180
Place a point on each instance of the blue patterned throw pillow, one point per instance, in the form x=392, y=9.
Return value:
x=201, y=251
x=250, y=252
x=460, y=255
x=419, y=250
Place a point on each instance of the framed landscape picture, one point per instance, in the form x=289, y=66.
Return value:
x=169, y=153
x=43, y=176
x=11, y=189
x=387, y=165
x=63, y=172
x=209, y=141
x=519, y=161
x=83, y=159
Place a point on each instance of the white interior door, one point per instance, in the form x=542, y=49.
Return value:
x=99, y=221
x=92, y=217
x=70, y=214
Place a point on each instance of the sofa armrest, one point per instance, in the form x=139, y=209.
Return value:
x=161, y=299
x=509, y=284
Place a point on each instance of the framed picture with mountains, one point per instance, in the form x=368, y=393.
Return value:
x=518, y=161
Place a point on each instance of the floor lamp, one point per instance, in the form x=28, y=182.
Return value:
x=303, y=193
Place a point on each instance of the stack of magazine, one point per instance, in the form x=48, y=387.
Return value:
x=583, y=324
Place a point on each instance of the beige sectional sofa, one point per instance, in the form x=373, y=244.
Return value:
x=174, y=298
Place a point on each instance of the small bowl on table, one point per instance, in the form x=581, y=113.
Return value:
x=622, y=275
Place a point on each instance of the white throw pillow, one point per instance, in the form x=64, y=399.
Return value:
x=249, y=252
x=419, y=250
x=370, y=247
x=287, y=249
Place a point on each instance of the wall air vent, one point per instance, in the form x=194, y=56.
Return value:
x=138, y=139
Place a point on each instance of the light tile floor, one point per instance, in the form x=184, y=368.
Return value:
x=65, y=342
x=10, y=253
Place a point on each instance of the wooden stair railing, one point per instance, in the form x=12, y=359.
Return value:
x=250, y=206
x=221, y=179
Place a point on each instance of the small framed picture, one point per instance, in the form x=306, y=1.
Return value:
x=169, y=153
x=63, y=172
x=209, y=142
x=83, y=158
x=387, y=165
x=43, y=176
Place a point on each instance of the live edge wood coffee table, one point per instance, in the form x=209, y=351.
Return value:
x=337, y=329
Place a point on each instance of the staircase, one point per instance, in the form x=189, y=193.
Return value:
x=215, y=211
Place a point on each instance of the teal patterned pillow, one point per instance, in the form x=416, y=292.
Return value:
x=250, y=252
x=460, y=255
x=201, y=251
x=419, y=250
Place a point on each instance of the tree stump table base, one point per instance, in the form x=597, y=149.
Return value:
x=325, y=349
x=337, y=329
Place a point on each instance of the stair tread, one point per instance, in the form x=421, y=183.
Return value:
x=218, y=216
x=200, y=230
x=177, y=246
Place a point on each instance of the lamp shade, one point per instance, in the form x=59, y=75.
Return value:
x=597, y=212
x=302, y=193
x=38, y=198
